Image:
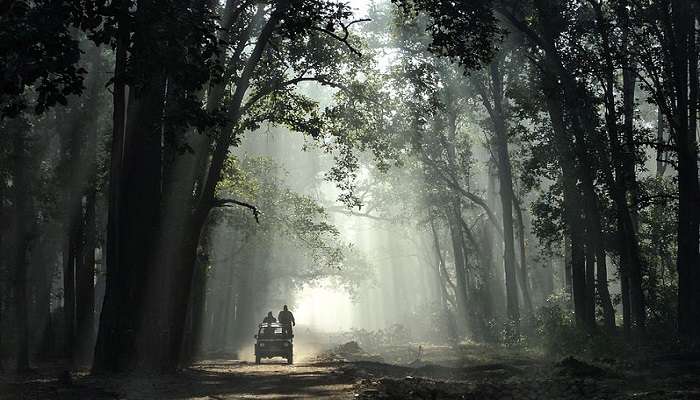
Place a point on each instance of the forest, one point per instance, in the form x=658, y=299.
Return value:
x=456, y=199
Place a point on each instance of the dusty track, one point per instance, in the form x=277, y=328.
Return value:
x=216, y=379
x=506, y=374
x=275, y=381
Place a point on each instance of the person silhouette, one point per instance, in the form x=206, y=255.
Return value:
x=286, y=319
x=270, y=319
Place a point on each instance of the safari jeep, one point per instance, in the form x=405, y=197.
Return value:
x=270, y=342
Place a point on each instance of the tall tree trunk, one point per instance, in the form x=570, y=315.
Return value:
x=603, y=292
x=494, y=104
x=684, y=78
x=628, y=219
x=590, y=252
x=624, y=186
x=184, y=267
x=23, y=219
x=228, y=304
x=3, y=290
x=524, y=278
x=572, y=196
x=3, y=270
x=44, y=270
x=460, y=272
x=443, y=280
x=582, y=120
x=109, y=342
x=197, y=310
x=69, y=259
x=85, y=271
x=139, y=225
x=660, y=143
x=625, y=294
x=567, y=265
x=492, y=244
x=78, y=178
x=439, y=267
x=577, y=105
x=630, y=176
x=85, y=280
x=134, y=211
x=73, y=224
x=187, y=174
x=482, y=304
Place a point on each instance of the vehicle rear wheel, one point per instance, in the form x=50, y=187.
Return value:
x=257, y=359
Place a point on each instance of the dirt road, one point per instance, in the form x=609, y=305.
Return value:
x=461, y=373
x=213, y=379
x=243, y=380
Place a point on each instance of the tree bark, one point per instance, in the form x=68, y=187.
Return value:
x=572, y=197
x=86, y=239
x=495, y=107
x=23, y=220
x=567, y=266
x=3, y=290
x=460, y=263
x=524, y=275
x=684, y=78
x=85, y=280
x=582, y=120
x=71, y=154
x=492, y=243
x=624, y=182
x=108, y=347
x=193, y=346
x=134, y=209
x=184, y=266
x=628, y=213
x=443, y=280
x=660, y=143
x=590, y=297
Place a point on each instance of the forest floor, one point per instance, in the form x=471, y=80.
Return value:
x=470, y=371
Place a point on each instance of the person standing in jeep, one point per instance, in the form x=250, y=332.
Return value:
x=286, y=319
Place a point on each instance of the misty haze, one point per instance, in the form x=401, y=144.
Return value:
x=364, y=199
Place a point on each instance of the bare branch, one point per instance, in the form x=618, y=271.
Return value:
x=522, y=27
x=346, y=33
x=452, y=182
x=342, y=210
x=229, y=202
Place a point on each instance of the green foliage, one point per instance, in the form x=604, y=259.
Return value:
x=548, y=220
x=658, y=247
x=510, y=334
x=558, y=334
x=308, y=245
x=39, y=55
x=464, y=31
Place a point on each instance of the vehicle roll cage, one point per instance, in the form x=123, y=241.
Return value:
x=276, y=333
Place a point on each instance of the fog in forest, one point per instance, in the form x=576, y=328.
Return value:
x=485, y=199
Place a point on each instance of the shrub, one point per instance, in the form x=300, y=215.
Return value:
x=558, y=334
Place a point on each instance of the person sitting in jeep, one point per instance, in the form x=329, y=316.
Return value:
x=286, y=319
x=270, y=319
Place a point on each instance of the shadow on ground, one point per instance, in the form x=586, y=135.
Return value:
x=521, y=377
x=209, y=380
